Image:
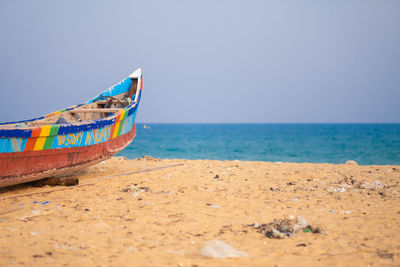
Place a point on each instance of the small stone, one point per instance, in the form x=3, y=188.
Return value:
x=35, y=212
x=345, y=185
x=149, y=158
x=176, y=252
x=275, y=234
x=377, y=185
x=364, y=185
x=220, y=249
x=331, y=189
x=216, y=176
x=213, y=206
x=341, y=189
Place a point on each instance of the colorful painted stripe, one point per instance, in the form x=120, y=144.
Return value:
x=55, y=113
x=49, y=137
x=42, y=138
x=117, y=124
x=49, y=140
x=123, y=116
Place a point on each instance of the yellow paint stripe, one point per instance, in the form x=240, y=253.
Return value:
x=116, y=129
x=123, y=113
x=41, y=140
x=39, y=143
x=45, y=131
x=115, y=133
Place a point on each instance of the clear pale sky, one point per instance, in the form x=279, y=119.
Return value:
x=206, y=61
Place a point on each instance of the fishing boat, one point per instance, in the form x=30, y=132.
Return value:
x=73, y=138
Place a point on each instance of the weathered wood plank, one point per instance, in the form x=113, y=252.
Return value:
x=96, y=110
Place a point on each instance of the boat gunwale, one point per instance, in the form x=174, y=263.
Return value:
x=25, y=132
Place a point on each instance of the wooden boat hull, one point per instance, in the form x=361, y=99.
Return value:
x=30, y=154
x=22, y=167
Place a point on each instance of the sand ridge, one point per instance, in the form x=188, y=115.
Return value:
x=165, y=216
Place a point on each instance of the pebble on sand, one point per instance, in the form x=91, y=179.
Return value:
x=220, y=249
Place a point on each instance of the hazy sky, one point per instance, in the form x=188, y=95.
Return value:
x=206, y=61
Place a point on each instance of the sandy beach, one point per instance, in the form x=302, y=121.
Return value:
x=156, y=216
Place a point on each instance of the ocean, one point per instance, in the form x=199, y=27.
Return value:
x=367, y=144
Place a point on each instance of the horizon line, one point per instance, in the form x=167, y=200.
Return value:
x=268, y=122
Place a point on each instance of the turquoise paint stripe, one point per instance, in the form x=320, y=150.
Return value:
x=9, y=145
x=127, y=124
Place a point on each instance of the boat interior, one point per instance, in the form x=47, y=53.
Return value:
x=101, y=107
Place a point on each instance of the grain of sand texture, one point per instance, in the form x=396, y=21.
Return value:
x=165, y=216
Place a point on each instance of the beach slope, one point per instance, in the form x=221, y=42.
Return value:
x=153, y=212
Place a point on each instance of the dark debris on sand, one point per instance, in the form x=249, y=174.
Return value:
x=285, y=228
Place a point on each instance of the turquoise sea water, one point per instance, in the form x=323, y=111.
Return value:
x=320, y=143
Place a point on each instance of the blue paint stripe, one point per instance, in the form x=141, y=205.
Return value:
x=66, y=128
x=72, y=128
x=4, y=133
x=121, y=87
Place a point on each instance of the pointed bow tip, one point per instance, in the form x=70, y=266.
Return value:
x=136, y=73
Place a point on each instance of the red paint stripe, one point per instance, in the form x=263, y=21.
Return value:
x=30, y=144
x=141, y=84
x=36, y=132
x=112, y=131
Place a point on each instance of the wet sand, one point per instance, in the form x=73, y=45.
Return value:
x=165, y=216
